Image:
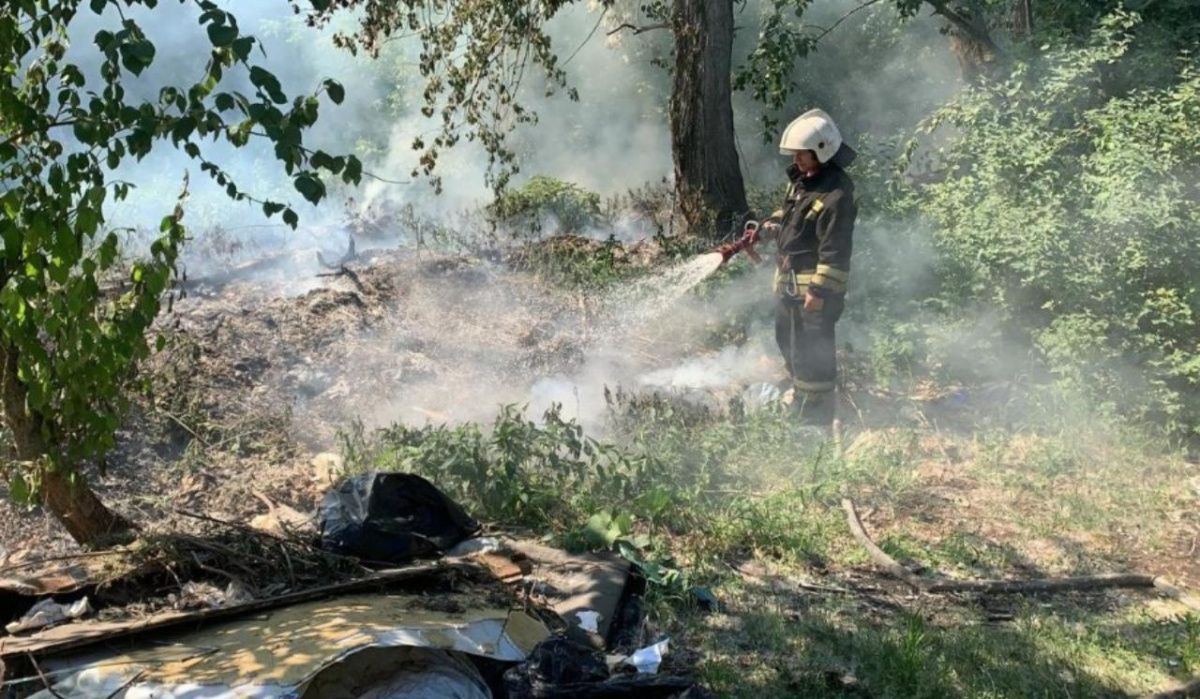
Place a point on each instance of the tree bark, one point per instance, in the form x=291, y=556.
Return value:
x=1022, y=19
x=70, y=500
x=708, y=177
x=970, y=40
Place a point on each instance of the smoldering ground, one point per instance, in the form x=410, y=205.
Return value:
x=615, y=137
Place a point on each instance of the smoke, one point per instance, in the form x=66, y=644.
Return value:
x=876, y=74
x=480, y=340
x=614, y=138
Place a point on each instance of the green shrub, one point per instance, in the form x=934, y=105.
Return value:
x=573, y=208
x=575, y=262
x=1072, y=214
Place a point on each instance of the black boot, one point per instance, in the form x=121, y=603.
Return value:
x=816, y=409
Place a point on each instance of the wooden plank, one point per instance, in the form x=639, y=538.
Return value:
x=77, y=635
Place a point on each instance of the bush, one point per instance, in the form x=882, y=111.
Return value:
x=1073, y=214
x=547, y=199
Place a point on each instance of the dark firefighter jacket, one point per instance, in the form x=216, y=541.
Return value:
x=817, y=225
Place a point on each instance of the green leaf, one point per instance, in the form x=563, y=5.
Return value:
x=598, y=532
x=353, y=172
x=268, y=83
x=98, y=5
x=290, y=218
x=322, y=160
x=137, y=55
x=310, y=187
x=337, y=93
x=221, y=35
x=242, y=47
x=87, y=221
x=18, y=487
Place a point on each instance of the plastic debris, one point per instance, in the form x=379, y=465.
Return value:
x=648, y=659
x=481, y=544
x=408, y=673
x=47, y=613
x=589, y=620
x=705, y=599
x=391, y=518
x=561, y=668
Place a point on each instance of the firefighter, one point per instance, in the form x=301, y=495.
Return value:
x=813, y=234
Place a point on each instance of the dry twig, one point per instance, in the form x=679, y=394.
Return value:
x=635, y=30
x=137, y=676
x=877, y=554
x=42, y=676
x=945, y=585
x=1184, y=691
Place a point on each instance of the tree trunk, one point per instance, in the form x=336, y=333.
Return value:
x=1022, y=19
x=708, y=178
x=970, y=40
x=69, y=499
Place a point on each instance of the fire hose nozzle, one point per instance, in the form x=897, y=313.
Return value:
x=750, y=238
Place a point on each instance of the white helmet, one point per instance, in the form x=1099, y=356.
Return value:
x=813, y=130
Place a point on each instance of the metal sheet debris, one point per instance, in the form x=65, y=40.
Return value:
x=69, y=636
x=275, y=654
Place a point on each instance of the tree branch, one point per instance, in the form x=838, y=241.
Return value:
x=1186, y=691
x=964, y=24
x=943, y=585
x=43, y=129
x=592, y=33
x=845, y=17
x=639, y=30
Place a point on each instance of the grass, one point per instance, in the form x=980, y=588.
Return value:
x=745, y=503
x=704, y=491
x=781, y=651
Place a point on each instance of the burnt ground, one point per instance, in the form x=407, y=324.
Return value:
x=255, y=381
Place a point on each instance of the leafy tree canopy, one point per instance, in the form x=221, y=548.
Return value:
x=73, y=326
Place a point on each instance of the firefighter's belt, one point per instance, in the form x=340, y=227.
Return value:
x=792, y=283
x=824, y=276
x=813, y=386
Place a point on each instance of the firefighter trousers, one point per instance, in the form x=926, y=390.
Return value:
x=807, y=341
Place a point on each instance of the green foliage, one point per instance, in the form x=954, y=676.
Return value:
x=1072, y=214
x=571, y=208
x=783, y=40
x=681, y=471
x=71, y=331
x=576, y=263
x=472, y=63
x=537, y=475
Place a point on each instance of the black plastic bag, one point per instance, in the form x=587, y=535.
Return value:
x=391, y=518
x=561, y=668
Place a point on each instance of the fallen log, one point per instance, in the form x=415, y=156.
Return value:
x=1078, y=583
x=942, y=585
x=1184, y=691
